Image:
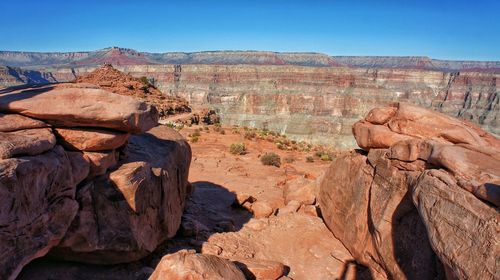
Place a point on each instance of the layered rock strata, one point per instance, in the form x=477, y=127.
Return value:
x=416, y=196
x=317, y=104
x=85, y=174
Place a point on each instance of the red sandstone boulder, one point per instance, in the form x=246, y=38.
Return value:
x=90, y=140
x=462, y=229
x=13, y=122
x=450, y=168
x=385, y=126
x=260, y=269
x=26, y=142
x=37, y=207
x=126, y=213
x=187, y=265
x=77, y=105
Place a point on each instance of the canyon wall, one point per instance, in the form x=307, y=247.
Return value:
x=318, y=104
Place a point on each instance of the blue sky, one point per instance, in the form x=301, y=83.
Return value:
x=442, y=29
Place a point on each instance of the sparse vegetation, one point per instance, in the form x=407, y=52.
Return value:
x=238, y=149
x=271, y=159
x=194, y=139
x=250, y=134
x=309, y=159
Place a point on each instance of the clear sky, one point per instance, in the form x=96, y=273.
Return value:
x=457, y=29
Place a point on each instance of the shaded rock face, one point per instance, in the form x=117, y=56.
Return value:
x=185, y=265
x=395, y=206
x=111, y=197
x=126, y=213
x=37, y=206
x=319, y=104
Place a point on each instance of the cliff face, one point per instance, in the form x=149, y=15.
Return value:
x=305, y=95
x=319, y=104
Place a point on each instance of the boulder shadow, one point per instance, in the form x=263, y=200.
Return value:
x=209, y=209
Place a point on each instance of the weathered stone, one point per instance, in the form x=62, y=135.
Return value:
x=13, y=122
x=100, y=162
x=187, y=265
x=26, y=142
x=463, y=230
x=301, y=190
x=368, y=207
x=125, y=215
x=73, y=105
x=261, y=209
x=90, y=140
x=37, y=207
x=260, y=269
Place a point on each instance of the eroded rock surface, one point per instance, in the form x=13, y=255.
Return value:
x=395, y=206
x=37, y=206
x=81, y=105
x=126, y=213
x=187, y=265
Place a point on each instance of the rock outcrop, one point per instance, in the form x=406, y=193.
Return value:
x=187, y=265
x=414, y=200
x=86, y=175
x=110, y=79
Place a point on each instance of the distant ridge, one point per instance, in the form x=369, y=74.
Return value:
x=124, y=56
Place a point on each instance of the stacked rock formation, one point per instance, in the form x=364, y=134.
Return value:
x=110, y=79
x=420, y=201
x=86, y=176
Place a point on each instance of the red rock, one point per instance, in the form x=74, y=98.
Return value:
x=291, y=207
x=36, y=209
x=302, y=243
x=125, y=214
x=451, y=169
x=100, y=162
x=261, y=209
x=301, y=190
x=26, y=142
x=13, y=122
x=404, y=121
x=187, y=265
x=467, y=246
x=79, y=165
x=90, y=140
x=80, y=105
x=260, y=269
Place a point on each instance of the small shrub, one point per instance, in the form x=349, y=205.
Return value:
x=206, y=128
x=250, y=135
x=309, y=159
x=326, y=157
x=194, y=139
x=238, y=149
x=222, y=131
x=271, y=159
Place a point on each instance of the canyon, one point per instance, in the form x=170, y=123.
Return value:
x=307, y=96
x=93, y=186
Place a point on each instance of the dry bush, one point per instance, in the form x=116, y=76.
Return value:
x=238, y=149
x=271, y=159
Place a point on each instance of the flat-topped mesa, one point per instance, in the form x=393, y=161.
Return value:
x=396, y=204
x=81, y=105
